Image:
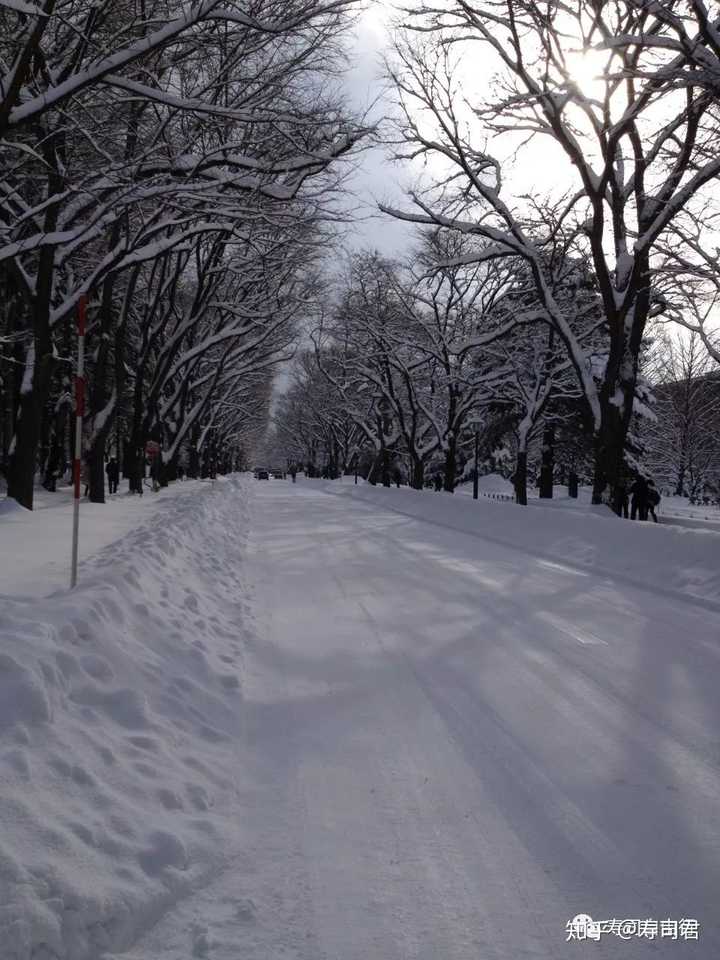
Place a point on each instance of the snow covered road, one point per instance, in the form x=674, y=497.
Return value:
x=456, y=749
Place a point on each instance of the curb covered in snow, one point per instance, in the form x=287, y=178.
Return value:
x=679, y=562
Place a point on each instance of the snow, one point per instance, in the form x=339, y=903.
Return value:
x=618, y=399
x=491, y=483
x=36, y=543
x=677, y=511
x=29, y=372
x=320, y=720
x=675, y=560
x=680, y=508
x=119, y=719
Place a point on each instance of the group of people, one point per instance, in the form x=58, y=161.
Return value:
x=639, y=501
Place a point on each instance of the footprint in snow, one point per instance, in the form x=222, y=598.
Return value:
x=245, y=911
x=201, y=941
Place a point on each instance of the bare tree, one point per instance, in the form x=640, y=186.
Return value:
x=690, y=272
x=682, y=442
x=131, y=130
x=638, y=148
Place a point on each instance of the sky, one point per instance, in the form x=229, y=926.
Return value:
x=540, y=170
x=377, y=177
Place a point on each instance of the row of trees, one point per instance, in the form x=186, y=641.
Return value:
x=415, y=363
x=539, y=311
x=176, y=163
x=414, y=359
x=635, y=138
x=682, y=440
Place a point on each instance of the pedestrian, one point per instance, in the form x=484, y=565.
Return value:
x=653, y=499
x=113, y=474
x=620, y=499
x=438, y=482
x=293, y=472
x=397, y=477
x=639, y=502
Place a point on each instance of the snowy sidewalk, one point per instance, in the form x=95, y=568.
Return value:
x=120, y=726
x=661, y=558
x=35, y=544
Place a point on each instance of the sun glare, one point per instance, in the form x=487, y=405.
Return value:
x=587, y=70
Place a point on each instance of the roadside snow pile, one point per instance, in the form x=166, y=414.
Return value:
x=38, y=540
x=494, y=483
x=119, y=716
x=681, y=508
x=666, y=558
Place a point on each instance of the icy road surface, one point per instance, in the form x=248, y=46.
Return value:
x=457, y=748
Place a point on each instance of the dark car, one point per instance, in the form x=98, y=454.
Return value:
x=262, y=474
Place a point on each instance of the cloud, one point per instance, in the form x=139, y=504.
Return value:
x=376, y=177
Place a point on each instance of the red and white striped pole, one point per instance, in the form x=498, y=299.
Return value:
x=79, y=412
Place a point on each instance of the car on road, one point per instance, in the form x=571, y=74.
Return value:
x=262, y=473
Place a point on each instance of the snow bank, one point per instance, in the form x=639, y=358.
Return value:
x=675, y=561
x=493, y=483
x=38, y=540
x=119, y=717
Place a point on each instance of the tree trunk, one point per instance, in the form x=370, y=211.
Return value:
x=547, y=467
x=450, y=467
x=56, y=452
x=617, y=394
x=384, y=454
x=134, y=468
x=680, y=485
x=96, y=471
x=193, y=467
x=385, y=466
x=609, y=451
x=10, y=373
x=418, y=474
x=28, y=421
x=36, y=387
x=520, y=478
x=96, y=459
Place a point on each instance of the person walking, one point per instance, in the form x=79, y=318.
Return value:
x=620, y=500
x=639, y=502
x=113, y=474
x=293, y=473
